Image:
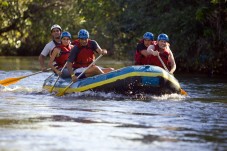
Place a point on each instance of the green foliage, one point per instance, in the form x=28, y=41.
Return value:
x=197, y=29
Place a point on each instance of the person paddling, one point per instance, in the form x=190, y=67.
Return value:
x=82, y=55
x=60, y=55
x=161, y=49
x=141, y=49
x=55, y=33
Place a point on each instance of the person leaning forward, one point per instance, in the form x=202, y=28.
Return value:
x=60, y=55
x=82, y=55
x=55, y=33
x=161, y=49
x=141, y=48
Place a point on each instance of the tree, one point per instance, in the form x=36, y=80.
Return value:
x=197, y=29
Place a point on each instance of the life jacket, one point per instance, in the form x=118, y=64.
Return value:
x=63, y=55
x=139, y=58
x=56, y=44
x=85, y=55
x=154, y=60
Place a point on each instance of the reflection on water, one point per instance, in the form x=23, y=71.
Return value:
x=19, y=63
x=31, y=63
x=33, y=119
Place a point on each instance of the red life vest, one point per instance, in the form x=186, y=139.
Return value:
x=139, y=58
x=85, y=56
x=63, y=55
x=154, y=60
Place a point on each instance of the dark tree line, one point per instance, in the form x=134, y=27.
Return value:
x=196, y=28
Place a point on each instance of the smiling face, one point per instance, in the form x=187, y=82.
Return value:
x=83, y=42
x=147, y=42
x=162, y=44
x=56, y=33
x=65, y=41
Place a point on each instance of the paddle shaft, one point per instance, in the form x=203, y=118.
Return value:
x=10, y=81
x=62, y=93
x=163, y=64
x=35, y=73
x=51, y=89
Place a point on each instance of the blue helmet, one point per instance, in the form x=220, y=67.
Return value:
x=83, y=34
x=65, y=34
x=148, y=35
x=163, y=37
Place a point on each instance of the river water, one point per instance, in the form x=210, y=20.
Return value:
x=33, y=119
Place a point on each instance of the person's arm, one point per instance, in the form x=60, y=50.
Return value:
x=43, y=55
x=70, y=69
x=98, y=49
x=101, y=51
x=150, y=51
x=142, y=49
x=172, y=62
x=72, y=56
x=144, y=52
x=56, y=51
x=41, y=62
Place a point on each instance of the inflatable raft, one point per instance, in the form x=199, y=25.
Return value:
x=129, y=80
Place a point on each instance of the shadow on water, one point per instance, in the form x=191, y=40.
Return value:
x=148, y=139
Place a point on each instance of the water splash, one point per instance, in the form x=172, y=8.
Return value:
x=173, y=97
x=91, y=95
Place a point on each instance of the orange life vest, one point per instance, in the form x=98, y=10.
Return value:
x=85, y=56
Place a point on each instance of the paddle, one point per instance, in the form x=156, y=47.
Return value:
x=63, y=92
x=183, y=92
x=51, y=89
x=10, y=81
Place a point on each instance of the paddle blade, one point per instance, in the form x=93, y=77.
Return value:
x=51, y=89
x=182, y=92
x=10, y=81
x=61, y=93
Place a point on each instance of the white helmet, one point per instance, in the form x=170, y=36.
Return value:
x=55, y=26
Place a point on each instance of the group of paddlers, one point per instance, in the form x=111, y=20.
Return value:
x=70, y=58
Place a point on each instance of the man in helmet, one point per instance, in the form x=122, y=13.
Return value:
x=82, y=55
x=161, y=49
x=60, y=55
x=141, y=49
x=55, y=33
